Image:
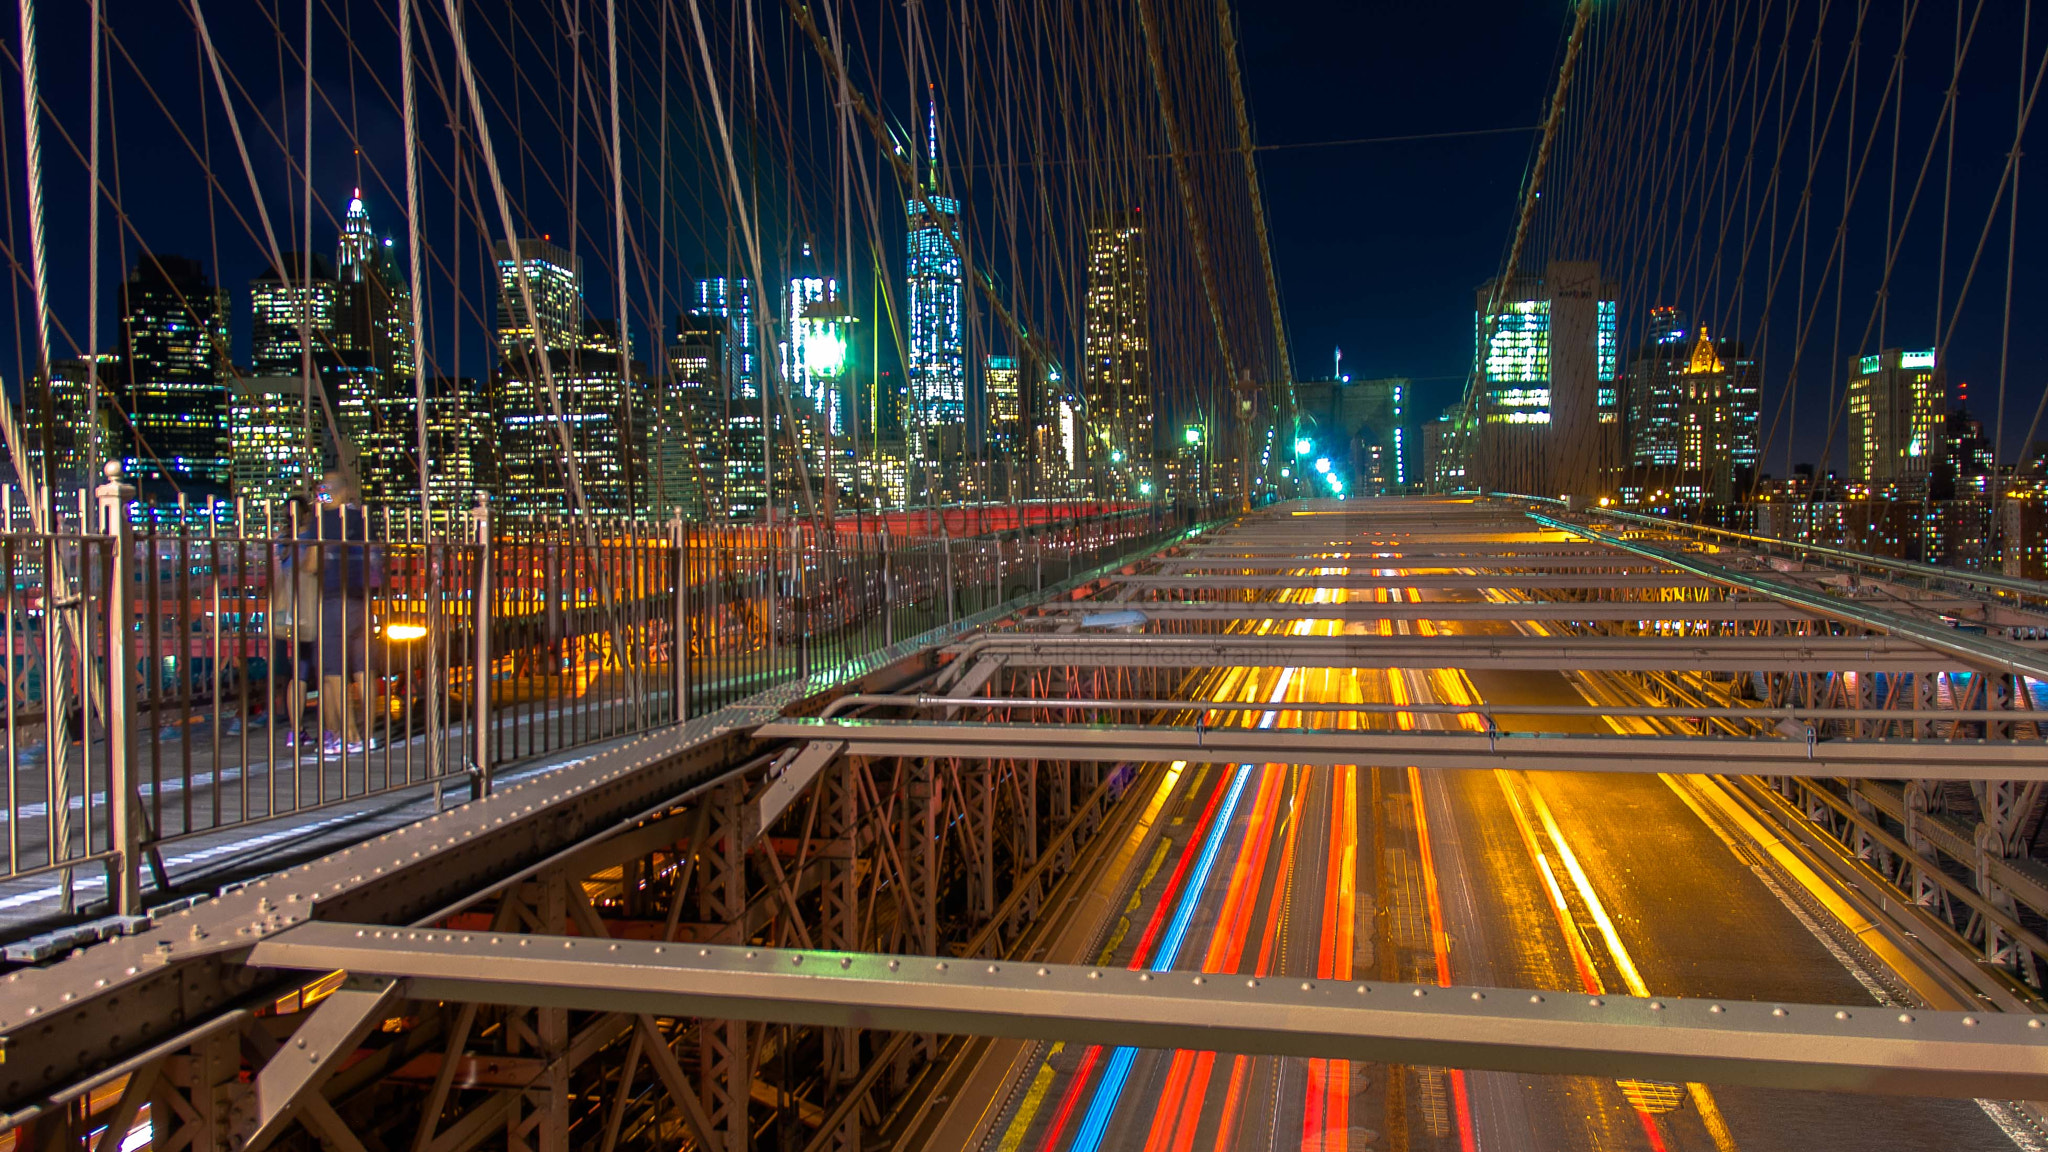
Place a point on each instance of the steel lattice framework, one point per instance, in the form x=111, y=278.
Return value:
x=827, y=907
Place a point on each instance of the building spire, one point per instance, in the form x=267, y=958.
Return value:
x=931, y=106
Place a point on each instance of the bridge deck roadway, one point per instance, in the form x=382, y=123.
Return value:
x=1556, y=880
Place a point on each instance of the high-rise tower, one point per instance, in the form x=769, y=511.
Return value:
x=1898, y=400
x=1117, y=374
x=1547, y=358
x=937, y=366
x=174, y=371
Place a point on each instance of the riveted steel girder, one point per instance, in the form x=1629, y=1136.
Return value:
x=1342, y=576
x=1527, y=653
x=1876, y=759
x=1820, y=1047
x=1717, y=611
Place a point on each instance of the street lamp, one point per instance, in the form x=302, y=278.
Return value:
x=1323, y=465
x=1194, y=434
x=1303, y=447
x=825, y=353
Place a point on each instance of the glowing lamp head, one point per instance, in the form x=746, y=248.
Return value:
x=1194, y=435
x=825, y=354
x=1145, y=488
x=405, y=633
x=1303, y=447
x=1323, y=465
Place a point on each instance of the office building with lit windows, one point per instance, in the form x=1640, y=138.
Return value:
x=1003, y=382
x=554, y=280
x=604, y=409
x=267, y=421
x=815, y=346
x=174, y=371
x=373, y=340
x=1898, y=400
x=1692, y=409
x=686, y=452
x=1116, y=376
x=731, y=298
x=1546, y=349
x=78, y=431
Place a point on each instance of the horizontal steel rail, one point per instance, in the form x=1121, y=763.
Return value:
x=1975, y=577
x=1453, y=581
x=1878, y=759
x=1865, y=1048
x=1534, y=653
x=1977, y=651
x=1714, y=611
x=1673, y=712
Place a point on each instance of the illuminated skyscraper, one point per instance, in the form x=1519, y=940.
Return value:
x=814, y=344
x=686, y=460
x=555, y=279
x=278, y=305
x=267, y=433
x=1547, y=358
x=174, y=371
x=603, y=414
x=373, y=340
x=1005, y=403
x=732, y=297
x=1117, y=341
x=1897, y=402
x=78, y=439
x=937, y=366
x=1692, y=417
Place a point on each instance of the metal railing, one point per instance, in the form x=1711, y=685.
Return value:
x=173, y=675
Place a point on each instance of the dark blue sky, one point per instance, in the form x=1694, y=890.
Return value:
x=1379, y=246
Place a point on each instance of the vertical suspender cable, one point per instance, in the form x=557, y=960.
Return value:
x=342, y=442
x=1462, y=428
x=306, y=261
x=611, y=30
x=1197, y=233
x=1283, y=356
x=410, y=112
x=92, y=263
x=573, y=473
x=33, y=482
x=432, y=559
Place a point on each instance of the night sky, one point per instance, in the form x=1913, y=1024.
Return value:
x=1379, y=246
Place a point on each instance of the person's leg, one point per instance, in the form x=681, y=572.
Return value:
x=334, y=711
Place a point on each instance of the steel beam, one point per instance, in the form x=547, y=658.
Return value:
x=1815, y=1047
x=1714, y=611
x=1150, y=743
x=1524, y=653
x=1367, y=564
x=1421, y=580
x=1974, y=650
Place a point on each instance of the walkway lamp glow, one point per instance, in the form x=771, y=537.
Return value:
x=1323, y=465
x=1194, y=434
x=825, y=353
x=1303, y=447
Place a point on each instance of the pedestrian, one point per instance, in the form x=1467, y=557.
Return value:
x=350, y=569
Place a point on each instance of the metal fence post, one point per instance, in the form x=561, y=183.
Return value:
x=680, y=628
x=800, y=589
x=888, y=590
x=480, y=667
x=124, y=806
x=946, y=549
